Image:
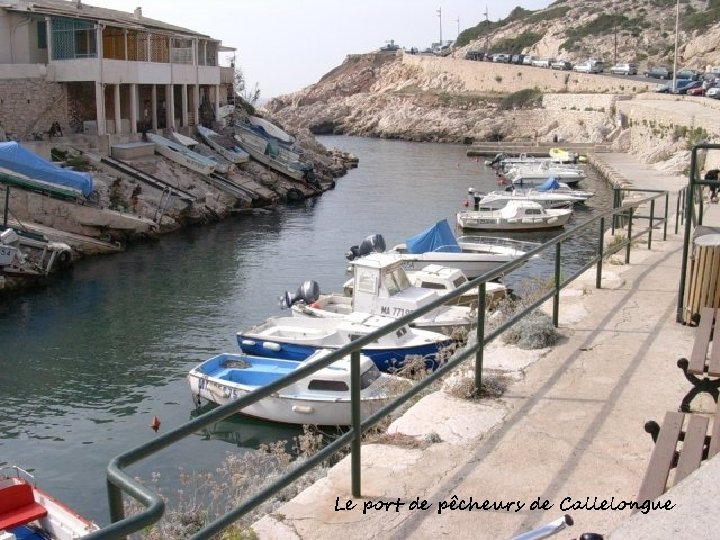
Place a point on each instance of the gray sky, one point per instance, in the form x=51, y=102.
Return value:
x=285, y=45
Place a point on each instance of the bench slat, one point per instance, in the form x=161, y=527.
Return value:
x=702, y=342
x=692, y=449
x=715, y=437
x=714, y=363
x=656, y=475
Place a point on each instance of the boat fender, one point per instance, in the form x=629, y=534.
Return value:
x=315, y=305
x=270, y=346
x=248, y=342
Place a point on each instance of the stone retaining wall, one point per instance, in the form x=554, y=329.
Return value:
x=32, y=105
x=582, y=102
x=491, y=77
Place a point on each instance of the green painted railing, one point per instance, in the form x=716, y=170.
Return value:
x=119, y=482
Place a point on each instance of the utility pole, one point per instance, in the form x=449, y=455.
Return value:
x=439, y=12
x=615, y=37
x=677, y=20
x=487, y=30
x=458, y=21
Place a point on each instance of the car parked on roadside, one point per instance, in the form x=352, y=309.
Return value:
x=528, y=60
x=561, y=65
x=543, y=62
x=475, y=55
x=627, y=68
x=697, y=91
x=659, y=72
x=517, y=58
x=713, y=92
x=682, y=86
x=591, y=66
x=689, y=74
x=500, y=58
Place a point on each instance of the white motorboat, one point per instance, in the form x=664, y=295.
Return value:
x=28, y=513
x=26, y=254
x=296, y=338
x=322, y=398
x=532, y=175
x=225, y=146
x=381, y=287
x=516, y=215
x=473, y=255
x=551, y=194
x=445, y=279
x=181, y=154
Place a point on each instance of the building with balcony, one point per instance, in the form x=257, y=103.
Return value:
x=97, y=70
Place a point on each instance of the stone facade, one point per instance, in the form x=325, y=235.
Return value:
x=31, y=105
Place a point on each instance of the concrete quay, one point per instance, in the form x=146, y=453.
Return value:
x=566, y=435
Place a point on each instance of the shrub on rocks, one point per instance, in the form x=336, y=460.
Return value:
x=536, y=331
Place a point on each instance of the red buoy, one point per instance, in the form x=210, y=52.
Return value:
x=155, y=423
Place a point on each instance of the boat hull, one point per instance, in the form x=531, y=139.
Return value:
x=387, y=360
x=492, y=224
x=283, y=409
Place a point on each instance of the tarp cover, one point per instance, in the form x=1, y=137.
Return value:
x=549, y=184
x=439, y=237
x=15, y=158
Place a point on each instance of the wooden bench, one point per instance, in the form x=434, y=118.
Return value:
x=701, y=370
x=682, y=443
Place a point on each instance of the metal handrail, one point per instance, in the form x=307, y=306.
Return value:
x=118, y=481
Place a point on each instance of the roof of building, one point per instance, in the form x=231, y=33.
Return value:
x=77, y=9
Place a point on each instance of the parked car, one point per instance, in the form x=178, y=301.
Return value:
x=528, y=60
x=474, y=55
x=659, y=72
x=697, y=91
x=663, y=88
x=624, y=69
x=682, y=86
x=591, y=66
x=689, y=74
x=713, y=92
x=543, y=62
x=561, y=65
x=500, y=58
x=517, y=58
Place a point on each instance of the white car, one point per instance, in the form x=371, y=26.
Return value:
x=713, y=92
x=624, y=69
x=591, y=66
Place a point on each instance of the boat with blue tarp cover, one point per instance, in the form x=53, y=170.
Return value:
x=322, y=398
x=38, y=173
x=473, y=255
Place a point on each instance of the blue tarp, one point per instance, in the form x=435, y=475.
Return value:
x=439, y=237
x=15, y=158
x=549, y=184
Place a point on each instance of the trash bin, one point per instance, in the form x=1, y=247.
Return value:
x=703, y=284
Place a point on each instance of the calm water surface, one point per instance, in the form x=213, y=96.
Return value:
x=87, y=362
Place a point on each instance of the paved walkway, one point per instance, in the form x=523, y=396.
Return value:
x=570, y=428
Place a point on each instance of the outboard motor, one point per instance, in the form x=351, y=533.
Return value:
x=374, y=243
x=308, y=292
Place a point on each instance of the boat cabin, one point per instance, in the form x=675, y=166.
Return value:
x=381, y=285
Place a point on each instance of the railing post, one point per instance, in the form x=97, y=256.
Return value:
x=615, y=205
x=7, y=206
x=356, y=421
x=480, y=332
x=629, y=236
x=556, y=298
x=678, y=215
x=652, y=218
x=115, y=502
x=601, y=249
x=667, y=202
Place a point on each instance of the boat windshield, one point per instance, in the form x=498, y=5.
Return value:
x=396, y=280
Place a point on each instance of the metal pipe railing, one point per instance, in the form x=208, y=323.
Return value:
x=118, y=481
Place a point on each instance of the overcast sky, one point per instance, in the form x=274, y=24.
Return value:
x=285, y=45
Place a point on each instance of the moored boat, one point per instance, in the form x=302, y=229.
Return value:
x=532, y=175
x=550, y=194
x=382, y=287
x=516, y=215
x=296, y=338
x=225, y=146
x=473, y=255
x=28, y=513
x=322, y=398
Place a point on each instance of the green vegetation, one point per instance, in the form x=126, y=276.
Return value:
x=701, y=20
x=602, y=25
x=527, y=98
x=516, y=44
x=484, y=28
x=548, y=14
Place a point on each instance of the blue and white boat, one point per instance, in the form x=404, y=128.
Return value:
x=296, y=338
x=322, y=398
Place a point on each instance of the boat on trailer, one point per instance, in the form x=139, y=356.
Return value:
x=28, y=513
x=322, y=398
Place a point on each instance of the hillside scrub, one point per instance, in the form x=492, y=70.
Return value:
x=522, y=99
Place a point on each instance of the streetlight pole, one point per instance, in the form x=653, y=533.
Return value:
x=439, y=12
x=677, y=20
x=458, y=21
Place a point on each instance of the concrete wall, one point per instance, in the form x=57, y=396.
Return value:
x=122, y=72
x=32, y=105
x=582, y=102
x=18, y=39
x=491, y=77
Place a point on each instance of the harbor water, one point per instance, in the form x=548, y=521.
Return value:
x=87, y=362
